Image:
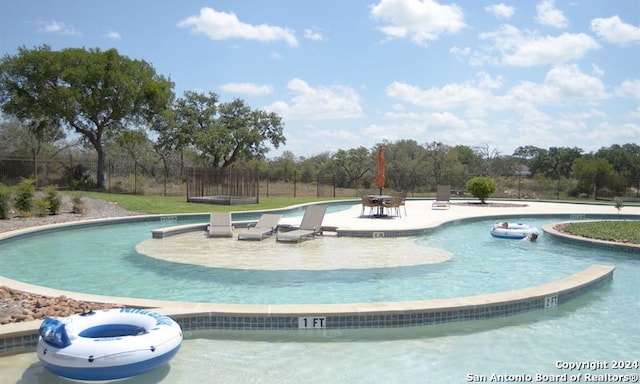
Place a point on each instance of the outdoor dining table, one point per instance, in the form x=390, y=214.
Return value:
x=379, y=201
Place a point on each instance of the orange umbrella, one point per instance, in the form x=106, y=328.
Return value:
x=380, y=177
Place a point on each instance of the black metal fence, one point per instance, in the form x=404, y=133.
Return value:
x=43, y=171
x=125, y=176
x=222, y=186
x=228, y=186
x=78, y=173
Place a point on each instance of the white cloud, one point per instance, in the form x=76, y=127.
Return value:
x=247, y=89
x=501, y=11
x=222, y=26
x=444, y=127
x=475, y=97
x=58, y=27
x=629, y=88
x=313, y=34
x=309, y=139
x=522, y=50
x=321, y=103
x=549, y=15
x=597, y=71
x=418, y=20
x=571, y=83
x=614, y=30
x=563, y=84
x=113, y=35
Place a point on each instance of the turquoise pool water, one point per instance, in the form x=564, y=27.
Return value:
x=102, y=260
x=600, y=326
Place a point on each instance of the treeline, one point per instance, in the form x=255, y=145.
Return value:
x=559, y=172
x=418, y=168
x=87, y=114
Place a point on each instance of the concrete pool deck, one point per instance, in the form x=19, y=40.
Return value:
x=18, y=337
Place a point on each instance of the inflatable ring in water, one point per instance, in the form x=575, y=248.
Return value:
x=107, y=344
x=516, y=231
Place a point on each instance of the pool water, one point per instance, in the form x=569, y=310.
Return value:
x=600, y=326
x=102, y=260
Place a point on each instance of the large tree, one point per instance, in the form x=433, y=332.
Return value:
x=223, y=133
x=98, y=94
x=593, y=174
x=404, y=164
x=352, y=164
x=626, y=161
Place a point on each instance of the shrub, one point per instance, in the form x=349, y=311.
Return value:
x=41, y=207
x=25, y=191
x=618, y=203
x=53, y=198
x=78, y=205
x=5, y=202
x=482, y=187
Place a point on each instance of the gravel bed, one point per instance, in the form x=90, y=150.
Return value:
x=17, y=306
x=93, y=209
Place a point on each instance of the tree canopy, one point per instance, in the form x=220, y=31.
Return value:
x=221, y=133
x=98, y=94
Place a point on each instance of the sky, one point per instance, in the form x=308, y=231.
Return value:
x=349, y=73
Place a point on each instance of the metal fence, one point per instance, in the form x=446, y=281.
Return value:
x=79, y=173
x=222, y=186
x=43, y=171
x=122, y=176
x=125, y=176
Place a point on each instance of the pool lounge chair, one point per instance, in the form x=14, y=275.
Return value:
x=220, y=225
x=266, y=226
x=310, y=225
x=442, y=197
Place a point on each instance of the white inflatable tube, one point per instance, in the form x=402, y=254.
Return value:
x=513, y=231
x=108, y=344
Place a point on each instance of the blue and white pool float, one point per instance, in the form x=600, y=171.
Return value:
x=107, y=344
x=516, y=231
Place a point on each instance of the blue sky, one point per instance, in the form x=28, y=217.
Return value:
x=345, y=74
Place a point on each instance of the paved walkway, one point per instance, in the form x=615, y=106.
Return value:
x=420, y=215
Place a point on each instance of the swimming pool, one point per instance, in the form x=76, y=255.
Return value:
x=103, y=260
x=599, y=326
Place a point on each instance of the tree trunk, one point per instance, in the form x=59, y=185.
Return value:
x=100, y=174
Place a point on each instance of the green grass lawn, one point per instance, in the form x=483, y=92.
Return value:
x=622, y=231
x=172, y=204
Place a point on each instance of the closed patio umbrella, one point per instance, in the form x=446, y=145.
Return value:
x=380, y=162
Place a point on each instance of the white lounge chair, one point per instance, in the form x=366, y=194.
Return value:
x=220, y=225
x=266, y=226
x=310, y=225
x=442, y=197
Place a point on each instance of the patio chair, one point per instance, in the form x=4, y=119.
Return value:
x=442, y=197
x=403, y=199
x=367, y=202
x=266, y=226
x=393, y=204
x=310, y=226
x=220, y=225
